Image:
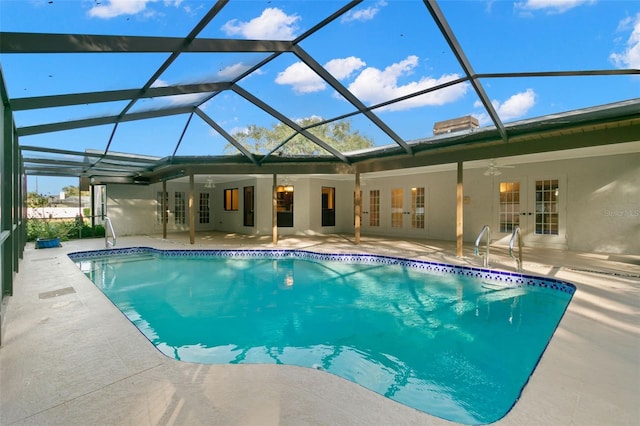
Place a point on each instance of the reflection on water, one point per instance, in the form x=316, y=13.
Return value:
x=452, y=346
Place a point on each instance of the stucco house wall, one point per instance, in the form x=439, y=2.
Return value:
x=599, y=211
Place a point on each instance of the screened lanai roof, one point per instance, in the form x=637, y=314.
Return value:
x=123, y=91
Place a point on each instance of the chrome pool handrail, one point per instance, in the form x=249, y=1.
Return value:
x=487, y=230
x=518, y=259
x=107, y=228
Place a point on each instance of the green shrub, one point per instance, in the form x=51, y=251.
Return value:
x=65, y=230
x=99, y=231
x=44, y=229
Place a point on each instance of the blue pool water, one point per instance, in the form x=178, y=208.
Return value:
x=456, y=342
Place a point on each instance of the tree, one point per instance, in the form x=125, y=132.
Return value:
x=70, y=190
x=262, y=140
x=36, y=200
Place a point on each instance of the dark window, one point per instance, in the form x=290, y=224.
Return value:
x=231, y=199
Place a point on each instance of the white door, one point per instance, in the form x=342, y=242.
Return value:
x=537, y=206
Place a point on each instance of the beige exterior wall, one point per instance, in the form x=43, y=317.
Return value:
x=599, y=208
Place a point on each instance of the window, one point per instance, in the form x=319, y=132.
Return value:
x=159, y=211
x=417, y=208
x=374, y=208
x=231, y=199
x=204, y=207
x=180, y=208
x=547, y=193
x=509, y=206
x=396, y=208
x=328, y=206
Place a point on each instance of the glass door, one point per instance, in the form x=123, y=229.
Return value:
x=370, y=209
x=397, y=208
x=248, y=206
x=284, y=198
x=328, y=203
x=203, y=212
x=536, y=205
x=418, y=208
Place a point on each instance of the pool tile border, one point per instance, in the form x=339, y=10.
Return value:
x=509, y=278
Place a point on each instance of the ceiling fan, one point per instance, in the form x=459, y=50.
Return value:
x=209, y=183
x=494, y=169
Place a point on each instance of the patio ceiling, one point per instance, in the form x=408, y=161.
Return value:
x=592, y=125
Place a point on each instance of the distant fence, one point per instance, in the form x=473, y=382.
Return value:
x=52, y=212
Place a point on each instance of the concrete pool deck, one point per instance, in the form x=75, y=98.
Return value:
x=70, y=357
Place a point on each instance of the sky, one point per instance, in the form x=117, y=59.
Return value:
x=379, y=50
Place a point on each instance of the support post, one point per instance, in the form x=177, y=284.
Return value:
x=459, y=211
x=92, y=193
x=81, y=223
x=358, y=208
x=192, y=210
x=274, y=211
x=165, y=213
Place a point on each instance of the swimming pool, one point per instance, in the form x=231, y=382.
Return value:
x=456, y=342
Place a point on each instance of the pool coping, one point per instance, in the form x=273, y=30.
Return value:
x=587, y=375
x=504, y=277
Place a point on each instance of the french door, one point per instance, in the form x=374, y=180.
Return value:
x=408, y=209
x=537, y=206
x=400, y=210
x=204, y=221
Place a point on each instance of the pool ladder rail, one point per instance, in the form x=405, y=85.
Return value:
x=518, y=233
x=485, y=257
x=109, y=228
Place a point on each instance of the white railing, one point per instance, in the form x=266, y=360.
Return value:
x=487, y=230
x=518, y=259
x=109, y=228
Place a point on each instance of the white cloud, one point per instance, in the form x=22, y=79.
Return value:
x=159, y=83
x=365, y=14
x=272, y=24
x=114, y=8
x=343, y=68
x=374, y=86
x=302, y=78
x=630, y=56
x=177, y=100
x=551, y=6
x=232, y=71
x=244, y=130
x=516, y=106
